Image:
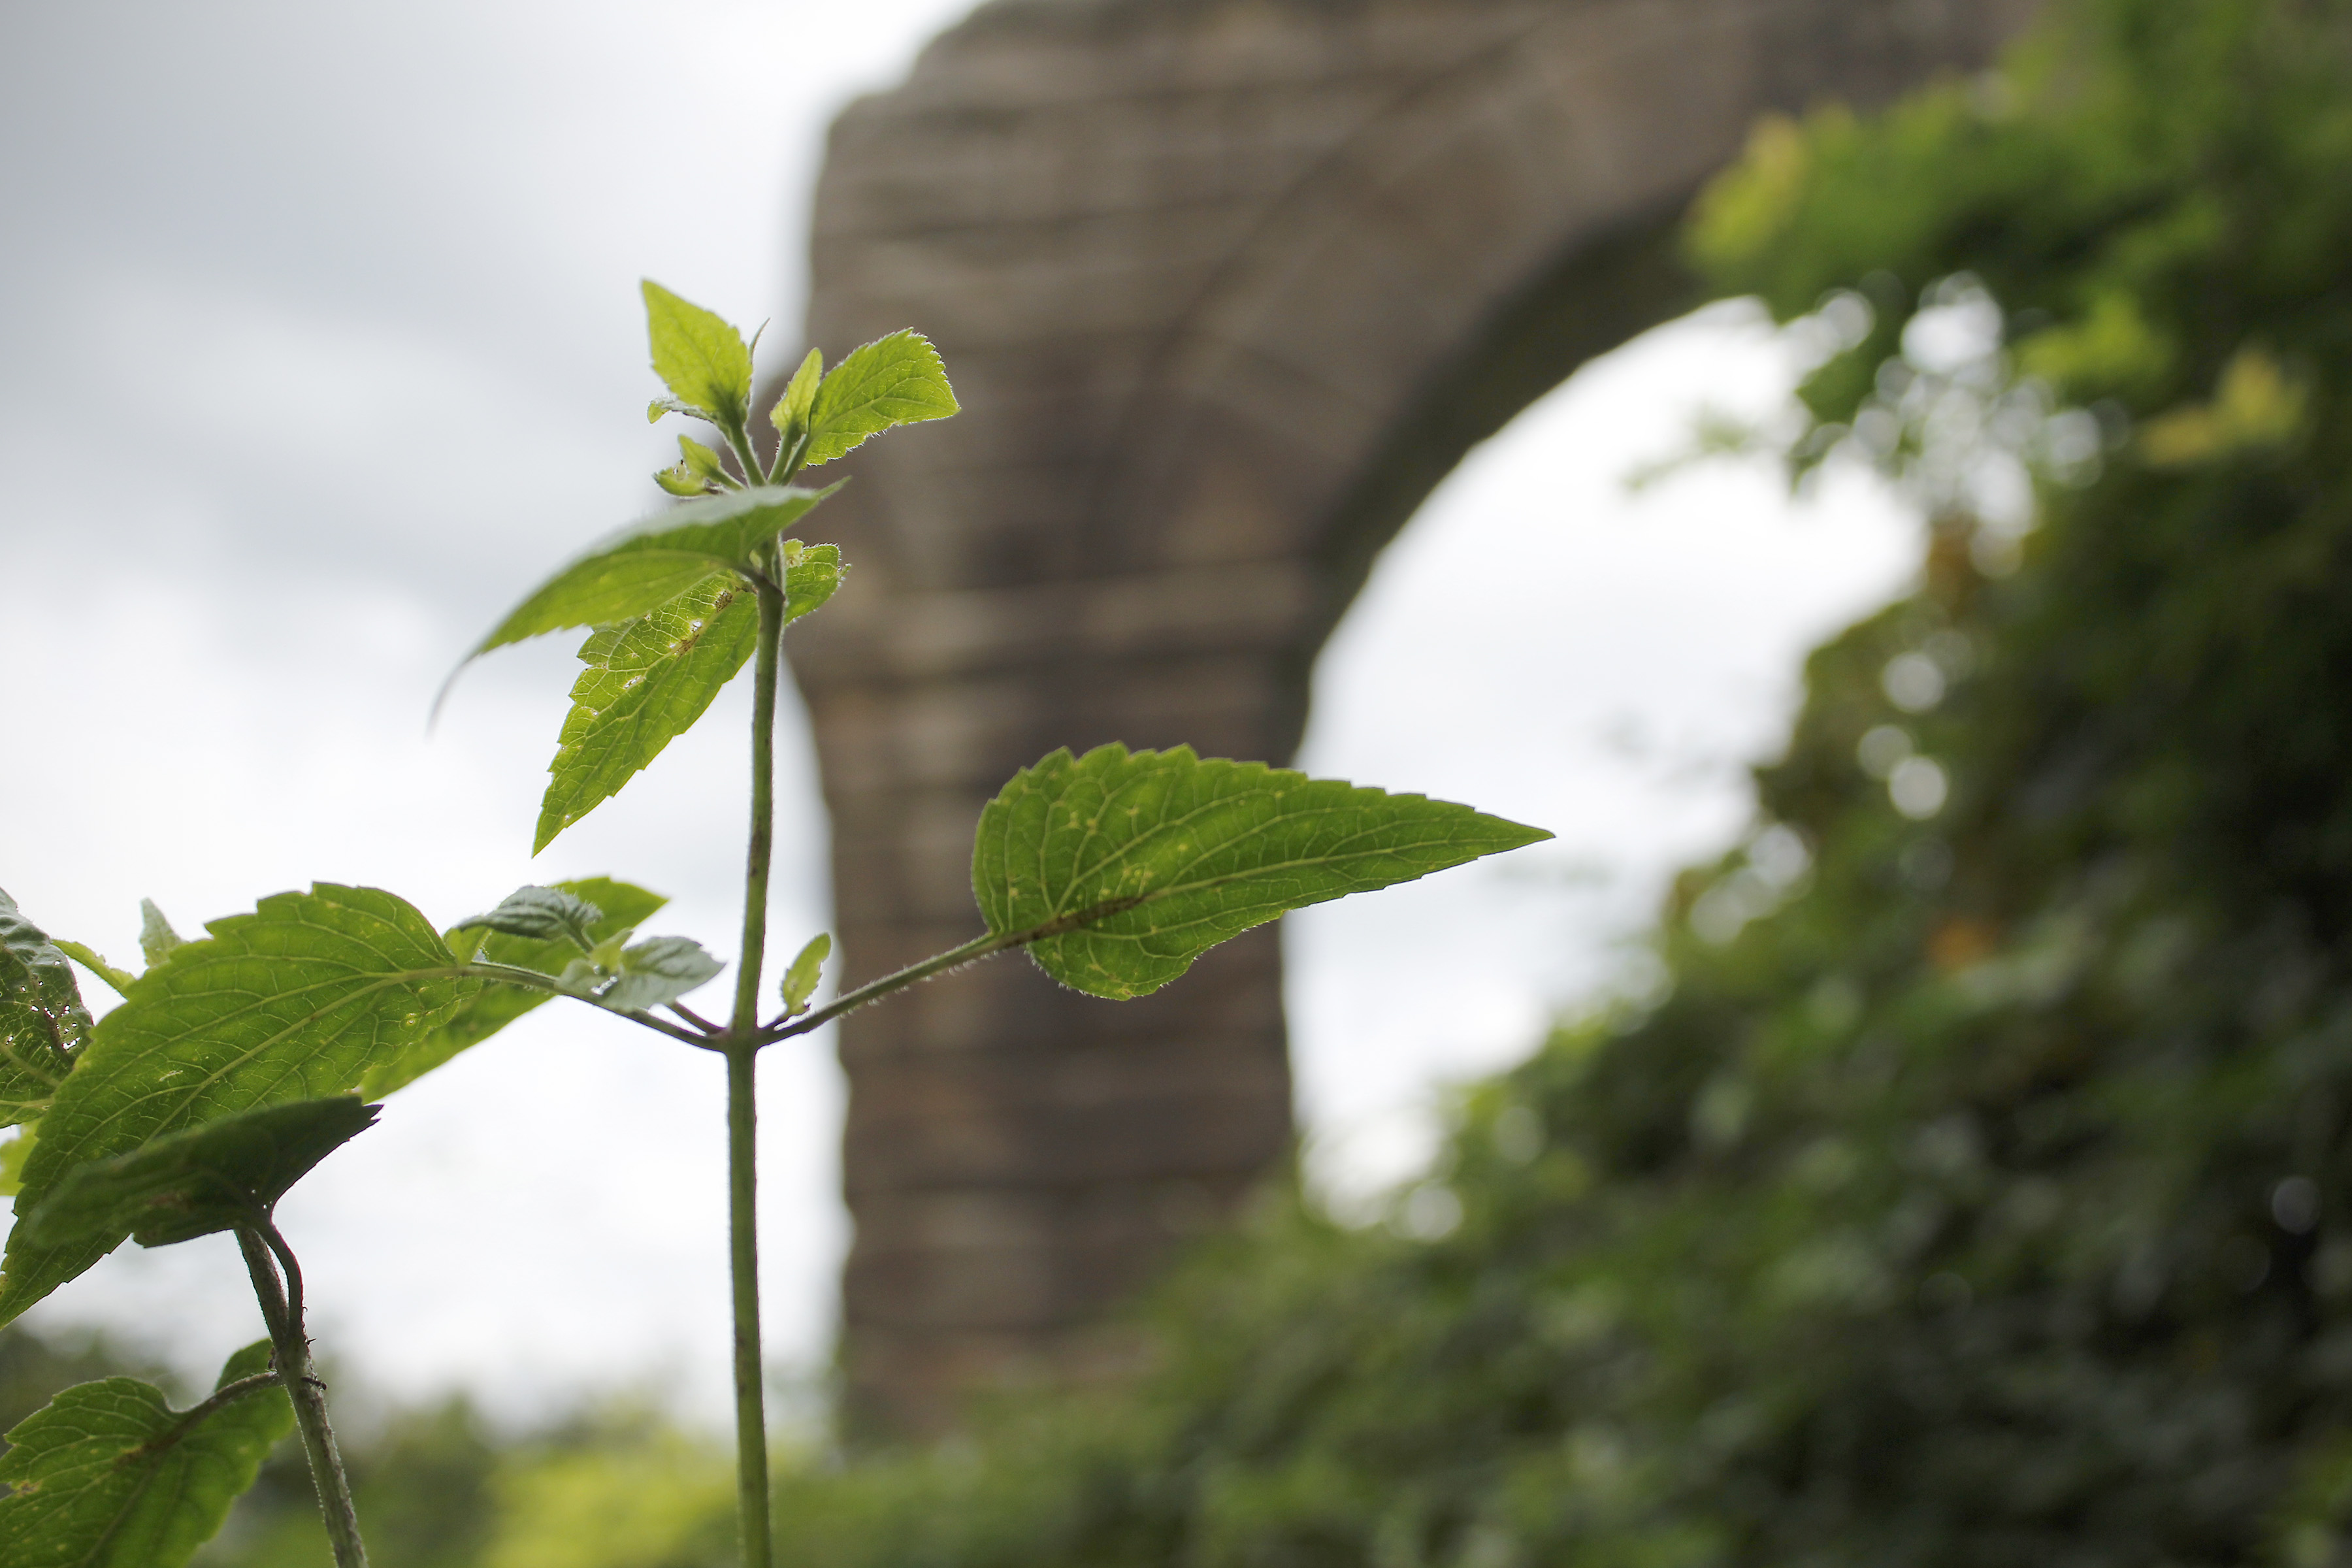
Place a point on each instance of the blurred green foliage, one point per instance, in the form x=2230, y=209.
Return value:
x=1981, y=1192
x=1978, y=1190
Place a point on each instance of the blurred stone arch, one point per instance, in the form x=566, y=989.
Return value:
x=1226, y=288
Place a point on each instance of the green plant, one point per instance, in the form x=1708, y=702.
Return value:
x=235, y=1062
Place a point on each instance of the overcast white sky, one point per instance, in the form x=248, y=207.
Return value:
x=319, y=340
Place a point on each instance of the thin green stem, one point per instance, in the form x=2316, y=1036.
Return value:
x=787, y=464
x=763, y=813
x=971, y=951
x=259, y=1239
x=532, y=980
x=743, y=1046
x=740, y=439
x=743, y=1238
x=693, y=1018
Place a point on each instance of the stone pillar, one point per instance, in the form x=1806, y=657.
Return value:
x=1225, y=287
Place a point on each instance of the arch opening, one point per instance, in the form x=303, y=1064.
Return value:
x=1551, y=642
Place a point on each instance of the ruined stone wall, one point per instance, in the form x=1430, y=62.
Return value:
x=1225, y=287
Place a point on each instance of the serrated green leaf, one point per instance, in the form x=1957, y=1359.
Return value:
x=108, y=1474
x=624, y=908
x=897, y=380
x=646, y=565
x=211, y=1177
x=657, y=970
x=699, y=357
x=540, y=914
x=156, y=936
x=43, y=1024
x=649, y=678
x=799, y=980
x=647, y=681
x=295, y=1001
x=1153, y=857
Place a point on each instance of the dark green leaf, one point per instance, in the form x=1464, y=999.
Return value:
x=799, y=980
x=897, y=380
x=156, y=936
x=494, y=1007
x=647, y=681
x=108, y=1474
x=645, y=566
x=702, y=359
x=541, y=915
x=43, y=1023
x=657, y=970
x=215, y=1176
x=1153, y=857
x=295, y=1001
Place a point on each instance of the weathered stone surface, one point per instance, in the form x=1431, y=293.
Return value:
x=1226, y=287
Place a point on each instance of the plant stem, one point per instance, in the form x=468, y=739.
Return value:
x=742, y=1048
x=971, y=951
x=281, y=1309
x=764, y=812
x=744, y=1235
x=740, y=439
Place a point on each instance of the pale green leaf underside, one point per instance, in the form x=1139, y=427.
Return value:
x=647, y=681
x=1179, y=854
x=42, y=1021
x=897, y=380
x=646, y=565
x=622, y=907
x=108, y=1474
x=156, y=936
x=539, y=915
x=214, y=1175
x=659, y=970
x=699, y=357
x=295, y=1001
